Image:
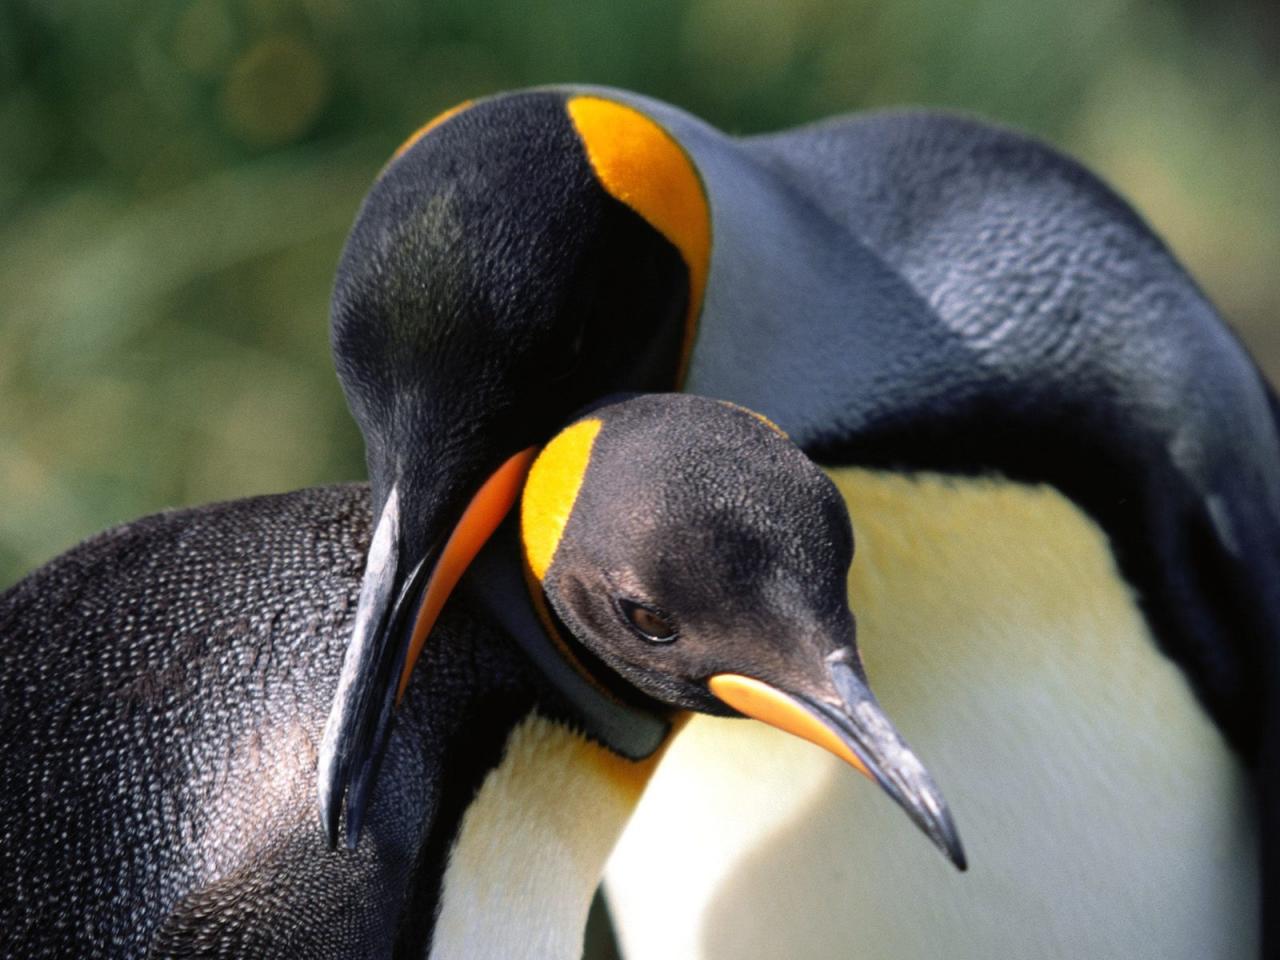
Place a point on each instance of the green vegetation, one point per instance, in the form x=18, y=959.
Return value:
x=176, y=178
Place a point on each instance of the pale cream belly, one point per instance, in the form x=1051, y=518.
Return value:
x=531, y=847
x=1102, y=812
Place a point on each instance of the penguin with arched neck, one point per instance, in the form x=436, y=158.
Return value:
x=956, y=317
x=165, y=686
x=467, y=324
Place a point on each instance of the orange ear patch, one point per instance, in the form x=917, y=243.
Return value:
x=642, y=165
x=427, y=127
x=552, y=489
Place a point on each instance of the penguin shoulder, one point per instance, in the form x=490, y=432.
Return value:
x=1024, y=255
x=924, y=167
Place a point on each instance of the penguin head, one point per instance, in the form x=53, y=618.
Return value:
x=494, y=282
x=694, y=551
x=518, y=258
x=697, y=535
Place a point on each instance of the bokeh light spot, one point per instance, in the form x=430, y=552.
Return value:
x=275, y=92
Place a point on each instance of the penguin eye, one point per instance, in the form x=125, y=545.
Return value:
x=646, y=622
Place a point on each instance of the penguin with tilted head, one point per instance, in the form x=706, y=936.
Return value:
x=166, y=684
x=1065, y=468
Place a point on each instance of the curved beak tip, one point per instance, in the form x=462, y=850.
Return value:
x=941, y=829
x=854, y=728
x=328, y=820
x=921, y=800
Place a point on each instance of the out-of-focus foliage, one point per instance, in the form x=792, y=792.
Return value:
x=176, y=177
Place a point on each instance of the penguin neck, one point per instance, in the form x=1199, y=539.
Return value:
x=532, y=846
x=500, y=581
x=528, y=851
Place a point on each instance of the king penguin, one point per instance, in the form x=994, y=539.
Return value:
x=1067, y=465
x=165, y=685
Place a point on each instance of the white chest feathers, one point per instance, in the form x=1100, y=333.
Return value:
x=532, y=846
x=1102, y=812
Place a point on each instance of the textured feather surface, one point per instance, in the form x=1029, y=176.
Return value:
x=163, y=689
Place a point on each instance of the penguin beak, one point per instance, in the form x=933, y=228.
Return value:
x=395, y=614
x=843, y=717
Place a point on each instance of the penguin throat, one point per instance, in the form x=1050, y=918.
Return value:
x=532, y=846
x=581, y=689
x=585, y=663
x=607, y=710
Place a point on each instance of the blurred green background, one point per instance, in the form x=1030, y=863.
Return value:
x=176, y=178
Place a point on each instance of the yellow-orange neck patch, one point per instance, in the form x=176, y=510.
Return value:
x=552, y=489
x=642, y=165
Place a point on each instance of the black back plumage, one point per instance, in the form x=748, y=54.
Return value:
x=1015, y=317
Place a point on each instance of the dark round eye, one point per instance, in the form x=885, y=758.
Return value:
x=646, y=622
